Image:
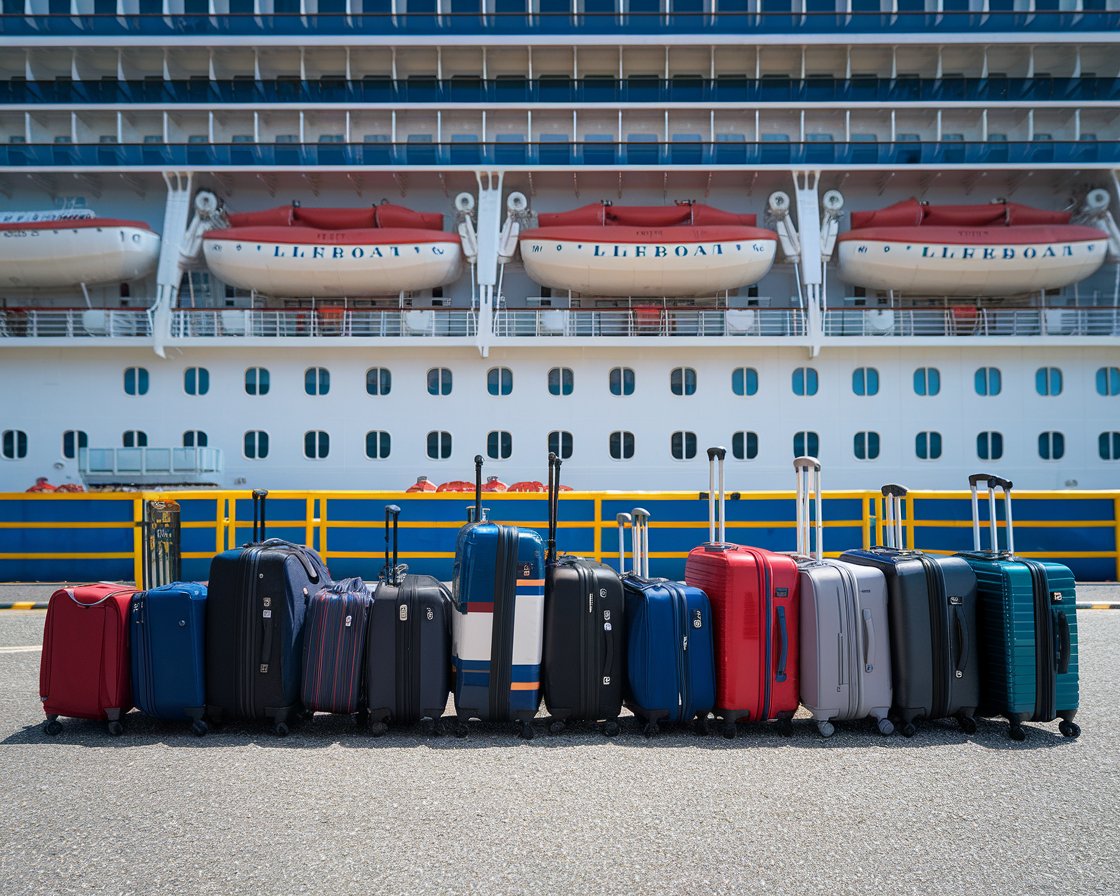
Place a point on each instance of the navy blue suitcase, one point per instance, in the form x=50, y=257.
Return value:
x=498, y=621
x=168, y=635
x=334, y=647
x=670, y=657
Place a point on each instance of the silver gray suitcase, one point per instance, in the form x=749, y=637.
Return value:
x=845, y=643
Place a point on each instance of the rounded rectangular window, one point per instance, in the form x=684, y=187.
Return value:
x=136, y=381
x=865, y=381
x=744, y=381
x=195, y=438
x=561, y=381
x=256, y=381
x=1048, y=381
x=560, y=444
x=439, y=381
x=256, y=444
x=13, y=444
x=196, y=380
x=622, y=445
x=378, y=444
x=499, y=445
x=316, y=381
x=927, y=445
x=988, y=381
x=499, y=381
x=682, y=445
x=439, y=445
x=866, y=445
x=806, y=443
x=622, y=381
x=744, y=445
x=927, y=381
x=73, y=441
x=134, y=438
x=1108, y=445
x=1051, y=445
x=1108, y=381
x=989, y=446
x=316, y=444
x=682, y=381
x=379, y=381
x=805, y=381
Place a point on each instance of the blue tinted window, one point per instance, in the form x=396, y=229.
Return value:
x=806, y=443
x=73, y=441
x=499, y=445
x=256, y=381
x=866, y=445
x=989, y=446
x=560, y=381
x=744, y=445
x=682, y=445
x=134, y=438
x=805, y=381
x=1108, y=444
x=195, y=438
x=1048, y=381
x=256, y=444
x=622, y=445
x=316, y=444
x=13, y=444
x=317, y=381
x=865, y=381
x=378, y=444
x=379, y=381
x=196, y=380
x=988, y=381
x=439, y=445
x=682, y=381
x=560, y=444
x=499, y=381
x=439, y=381
x=1108, y=381
x=136, y=381
x=1051, y=445
x=622, y=381
x=744, y=381
x=927, y=381
x=927, y=445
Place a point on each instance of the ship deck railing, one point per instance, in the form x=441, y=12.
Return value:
x=324, y=321
x=75, y=323
x=648, y=320
x=138, y=464
x=969, y=320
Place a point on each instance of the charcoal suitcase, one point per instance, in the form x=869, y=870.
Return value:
x=334, y=648
x=754, y=601
x=408, y=653
x=84, y=668
x=931, y=604
x=168, y=636
x=584, y=659
x=845, y=648
x=670, y=658
x=1028, y=627
x=255, y=607
x=498, y=620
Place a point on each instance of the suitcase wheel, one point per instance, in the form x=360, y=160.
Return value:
x=886, y=727
x=556, y=726
x=116, y=728
x=280, y=729
x=827, y=729
x=1069, y=729
x=525, y=730
x=909, y=729
x=431, y=728
x=378, y=729
x=967, y=723
x=53, y=727
x=199, y=728
x=611, y=728
x=651, y=729
x=701, y=727
x=729, y=730
x=1017, y=733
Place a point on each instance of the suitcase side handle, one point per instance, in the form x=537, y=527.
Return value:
x=868, y=640
x=807, y=470
x=964, y=649
x=783, y=645
x=623, y=520
x=1064, y=646
x=259, y=496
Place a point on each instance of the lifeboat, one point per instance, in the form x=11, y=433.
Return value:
x=334, y=252
x=647, y=251
x=494, y=484
x=59, y=249
x=968, y=250
x=421, y=485
x=456, y=485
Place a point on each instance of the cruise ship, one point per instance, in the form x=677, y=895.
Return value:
x=349, y=243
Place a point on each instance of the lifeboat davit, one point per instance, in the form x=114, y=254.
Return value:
x=58, y=249
x=334, y=252
x=968, y=250
x=647, y=251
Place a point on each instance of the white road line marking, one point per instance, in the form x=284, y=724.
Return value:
x=30, y=648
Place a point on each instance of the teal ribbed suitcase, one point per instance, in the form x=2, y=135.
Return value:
x=1028, y=627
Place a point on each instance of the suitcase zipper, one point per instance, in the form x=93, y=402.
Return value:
x=942, y=660
x=501, y=648
x=586, y=666
x=850, y=611
x=680, y=606
x=768, y=602
x=1045, y=673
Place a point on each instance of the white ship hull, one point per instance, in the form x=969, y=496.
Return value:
x=61, y=256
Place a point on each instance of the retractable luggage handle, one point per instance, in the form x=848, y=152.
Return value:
x=477, y=490
x=892, y=515
x=391, y=572
x=992, y=482
x=716, y=456
x=641, y=541
x=553, y=504
x=259, y=495
x=622, y=519
x=808, y=472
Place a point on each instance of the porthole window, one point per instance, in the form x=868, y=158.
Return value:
x=865, y=381
x=499, y=381
x=13, y=444
x=560, y=444
x=866, y=445
x=744, y=381
x=682, y=381
x=439, y=445
x=805, y=381
x=561, y=381
x=136, y=381
x=927, y=381
x=989, y=446
x=622, y=445
x=134, y=438
x=499, y=444
x=316, y=444
x=378, y=444
x=256, y=444
x=744, y=445
x=439, y=381
x=806, y=443
x=256, y=381
x=316, y=381
x=1108, y=445
x=73, y=441
x=682, y=445
x=1108, y=381
x=196, y=380
x=195, y=438
x=927, y=445
x=379, y=381
x=988, y=381
x=1051, y=445
x=622, y=381
x=1048, y=381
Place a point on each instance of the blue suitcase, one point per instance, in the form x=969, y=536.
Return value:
x=497, y=626
x=168, y=632
x=1028, y=627
x=670, y=657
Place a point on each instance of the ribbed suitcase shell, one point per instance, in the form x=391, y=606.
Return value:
x=754, y=600
x=84, y=669
x=670, y=665
x=168, y=634
x=408, y=651
x=334, y=647
x=931, y=602
x=498, y=622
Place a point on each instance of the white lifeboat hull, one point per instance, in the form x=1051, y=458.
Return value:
x=63, y=254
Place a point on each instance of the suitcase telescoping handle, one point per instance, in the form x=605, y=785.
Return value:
x=259, y=496
x=892, y=515
x=478, y=488
x=991, y=483
x=808, y=472
x=641, y=541
x=716, y=458
x=623, y=520
x=553, y=504
x=391, y=573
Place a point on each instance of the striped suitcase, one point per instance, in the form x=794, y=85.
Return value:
x=498, y=620
x=1028, y=626
x=334, y=647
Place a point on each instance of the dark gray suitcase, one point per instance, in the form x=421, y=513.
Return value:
x=934, y=636
x=408, y=647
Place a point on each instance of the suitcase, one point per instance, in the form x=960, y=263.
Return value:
x=1028, y=627
x=845, y=648
x=334, y=648
x=84, y=670
x=498, y=620
x=669, y=653
x=584, y=660
x=408, y=650
x=168, y=636
x=753, y=595
x=258, y=595
x=931, y=605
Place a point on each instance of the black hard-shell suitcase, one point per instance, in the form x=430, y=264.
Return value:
x=255, y=607
x=931, y=605
x=584, y=662
x=334, y=648
x=408, y=659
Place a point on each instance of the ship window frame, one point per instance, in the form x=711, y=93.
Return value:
x=193, y=435
x=320, y=449
x=930, y=435
x=1108, y=381
x=561, y=381
x=196, y=381
x=262, y=381
x=1048, y=381
x=442, y=435
x=988, y=381
x=138, y=437
x=136, y=381
x=621, y=445
x=810, y=443
x=744, y=445
x=683, y=381
x=805, y=381
x=259, y=443
x=865, y=381
x=989, y=445
x=499, y=381
x=440, y=381
x=499, y=444
x=621, y=381
x=561, y=443
x=927, y=381
x=867, y=445
x=744, y=381
x=1108, y=445
x=80, y=440
x=1051, y=445
x=317, y=381
x=13, y=444
x=382, y=443
x=682, y=445
x=379, y=381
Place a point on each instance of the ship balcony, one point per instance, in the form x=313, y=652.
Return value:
x=648, y=321
x=329, y=322
x=66, y=324
x=139, y=466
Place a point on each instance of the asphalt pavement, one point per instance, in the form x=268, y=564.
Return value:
x=329, y=810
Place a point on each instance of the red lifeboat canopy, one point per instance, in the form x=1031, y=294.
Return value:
x=456, y=485
x=684, y=215
x=422, y=484
x=528, y=486
x=494, y=484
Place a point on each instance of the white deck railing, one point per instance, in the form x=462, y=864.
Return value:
x=963, y=321
x=53, y=323
x=645, y=321
x=305, y=323
x=135, y=464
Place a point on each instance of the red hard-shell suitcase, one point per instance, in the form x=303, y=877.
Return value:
x=754, y=598
x=84, y=672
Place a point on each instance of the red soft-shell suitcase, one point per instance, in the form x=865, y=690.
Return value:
x=84, y=672
x=754, y=598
